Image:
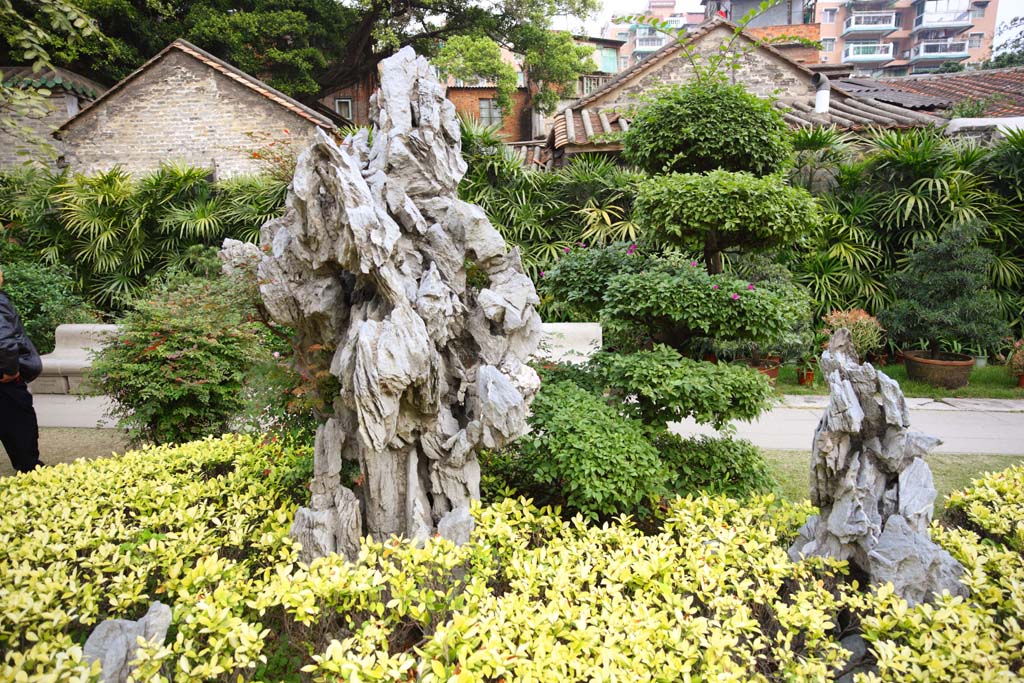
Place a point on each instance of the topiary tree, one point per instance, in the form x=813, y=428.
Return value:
x=943, y=295
x=722, y=210
x=705, y=125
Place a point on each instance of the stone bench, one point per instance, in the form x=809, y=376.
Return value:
x=569, y=342
x=64, y=369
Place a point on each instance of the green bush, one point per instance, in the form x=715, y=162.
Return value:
x=664, y=386
x=707, y=125
x=175, y=371
x=732, y=467
x=576, y=285
x=943, y=296
x=674, y=306
x=721, y=210
x=865, y=330
x=712, y=595
x=599, y=461
x=44, y=296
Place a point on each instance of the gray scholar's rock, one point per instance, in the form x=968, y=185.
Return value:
x=114, y=642
x=428, y=314
x=871, y=483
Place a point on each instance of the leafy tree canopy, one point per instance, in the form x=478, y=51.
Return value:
x=309, y=47
x=707, y=125
x=471, y=57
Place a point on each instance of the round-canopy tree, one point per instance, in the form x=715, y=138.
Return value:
x=707, y=125
x=722, y=210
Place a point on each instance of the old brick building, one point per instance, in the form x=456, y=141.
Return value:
x=68, y=94
x=185, y=105
x=590, y=124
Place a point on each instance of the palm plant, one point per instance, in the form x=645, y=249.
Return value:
x=817, y=154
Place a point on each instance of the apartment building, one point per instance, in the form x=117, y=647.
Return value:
x=900, y=37
x=640, y=41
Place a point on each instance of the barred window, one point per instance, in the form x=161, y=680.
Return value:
x=490, y=113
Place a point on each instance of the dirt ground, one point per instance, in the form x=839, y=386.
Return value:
x=64, y=444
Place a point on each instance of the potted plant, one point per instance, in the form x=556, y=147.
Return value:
x=865, y=330
x=1015, y=361
x=943, y=295
x=805, y=370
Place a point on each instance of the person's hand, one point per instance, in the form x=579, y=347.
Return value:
x=5, y=378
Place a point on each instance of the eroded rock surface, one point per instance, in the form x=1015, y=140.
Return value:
x=871, y=483
x=114, y=642
x=429, y=316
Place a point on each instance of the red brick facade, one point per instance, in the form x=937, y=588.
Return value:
x=359, y=93
x=516, y=124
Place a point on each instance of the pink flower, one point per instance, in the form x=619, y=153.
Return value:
x=632, y=248
x=714, y=286
x=693, y=264
x=735, y=296
x=750, y=286
x=277, y=354
x=542, y=273
x=567, y=250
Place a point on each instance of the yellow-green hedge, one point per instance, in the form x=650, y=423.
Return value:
x=532, y=597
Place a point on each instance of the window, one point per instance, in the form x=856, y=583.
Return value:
x=828, y=16
x=343, y=106
x=977, y=13
x=623, y=63
x=623, y=35
x=828, y=44
x=490, y=113
x=974, y=40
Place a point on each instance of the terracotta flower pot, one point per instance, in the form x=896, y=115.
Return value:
x=804, y=377
x=710, y=358
x=767, y=367
x=1020, y=381
x=949, y=370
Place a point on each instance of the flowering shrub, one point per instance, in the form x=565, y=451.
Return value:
x=711, y=595
x=865, y=330
x=994, y=506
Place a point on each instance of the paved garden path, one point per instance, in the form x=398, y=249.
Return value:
x=966, y=425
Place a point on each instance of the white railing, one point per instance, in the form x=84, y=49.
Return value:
x=650, y=42
x=870, y=20
x=940, y=19
x=872, y=51
x=938, y=48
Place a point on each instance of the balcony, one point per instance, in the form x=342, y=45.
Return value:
x=942, y=21
x=871, y=23
x=864, y=53
x=939, y=51
x=649, y=44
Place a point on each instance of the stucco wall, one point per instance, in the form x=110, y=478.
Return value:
x=179, y=110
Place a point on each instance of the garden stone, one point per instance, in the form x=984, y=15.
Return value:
x=428, y=314
x=114, y=642
x=872, y=485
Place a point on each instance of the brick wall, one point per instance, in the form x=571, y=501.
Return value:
x=761, y=72
x=516, y=124
x=359, y=93
x=179, y=109
x=62, y=107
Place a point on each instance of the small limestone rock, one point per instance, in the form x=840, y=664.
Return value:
x=871, y=483
x=114, y=642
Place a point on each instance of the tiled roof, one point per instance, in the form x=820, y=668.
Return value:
x=240, y=77
x=56, y=78
x=532, y=153
x=884, y=92
x=1004, y=88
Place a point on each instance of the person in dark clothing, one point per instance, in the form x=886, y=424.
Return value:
x=19, y=365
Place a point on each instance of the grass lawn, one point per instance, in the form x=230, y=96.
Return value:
x=952, y=471
x=64, y=444
x=987, y=382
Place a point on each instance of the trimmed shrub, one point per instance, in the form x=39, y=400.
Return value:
x=175, y=372
x=599, y=462
x=718, y=211
x=707, y=125
x=733, y=467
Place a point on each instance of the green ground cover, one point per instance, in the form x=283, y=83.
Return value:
x=987, y=382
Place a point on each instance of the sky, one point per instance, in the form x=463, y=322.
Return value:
x=1007, y=10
